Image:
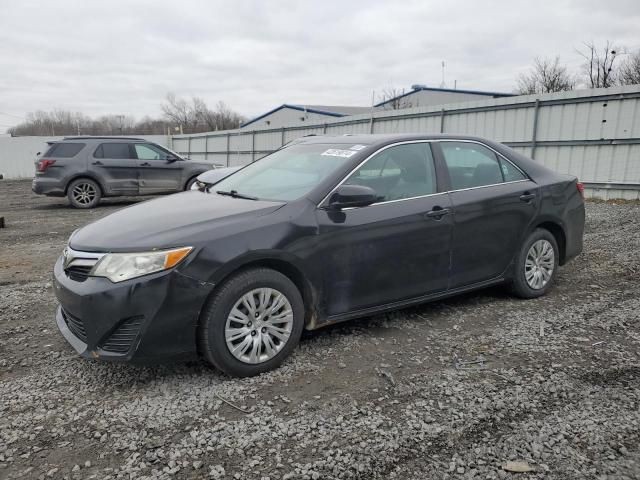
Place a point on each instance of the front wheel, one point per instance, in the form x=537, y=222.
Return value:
x=252, y=323
x=536, y=265
x=84, y=193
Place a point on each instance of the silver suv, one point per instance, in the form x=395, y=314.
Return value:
x=85, y=169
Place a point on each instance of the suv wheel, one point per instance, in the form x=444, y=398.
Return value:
x=84, y=193
x=536, y=265
x=252, y=323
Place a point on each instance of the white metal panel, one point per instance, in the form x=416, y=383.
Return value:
x=268, y=141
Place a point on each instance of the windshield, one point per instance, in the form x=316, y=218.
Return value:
x=287, y=174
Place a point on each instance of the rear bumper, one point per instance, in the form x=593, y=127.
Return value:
x=144, y=320
x=48, y=186
x=574, y=232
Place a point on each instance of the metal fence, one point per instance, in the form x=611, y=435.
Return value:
x=593, y=134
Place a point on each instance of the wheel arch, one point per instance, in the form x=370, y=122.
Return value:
x=280, y=263
x=88, y=177
x=557, y=230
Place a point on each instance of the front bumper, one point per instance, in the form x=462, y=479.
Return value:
x=142, y=320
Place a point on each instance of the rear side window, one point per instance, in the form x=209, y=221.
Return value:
x=471, y=165
x=64, y=150
x=112, y=150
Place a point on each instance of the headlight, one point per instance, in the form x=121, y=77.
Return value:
x=118, y=267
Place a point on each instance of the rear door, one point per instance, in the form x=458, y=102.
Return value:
x=115, y=165
x=392, y=250
x=160, y=172
x=493, y=204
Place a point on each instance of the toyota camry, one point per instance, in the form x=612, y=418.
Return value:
x=321, y=231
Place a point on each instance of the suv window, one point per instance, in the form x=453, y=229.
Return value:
x=403, y=171
x=112, y=150
x=146, y=151
x=471, y=165
x=64, y=150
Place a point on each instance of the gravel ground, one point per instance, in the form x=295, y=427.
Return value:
x=453, y=389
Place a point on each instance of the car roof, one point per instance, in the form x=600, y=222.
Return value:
x=115, y=139
x=380, y=139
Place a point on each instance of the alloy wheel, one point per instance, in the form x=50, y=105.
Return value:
x=84, y=193
x=539, y=264
x=259, y=325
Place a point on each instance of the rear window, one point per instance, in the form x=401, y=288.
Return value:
x=64, y=150
x=112, y=150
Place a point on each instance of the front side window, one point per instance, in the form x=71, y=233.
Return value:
x=113, y=150
x=289, y=173
x=398, y=172
x=471, y=165
x=146, y=151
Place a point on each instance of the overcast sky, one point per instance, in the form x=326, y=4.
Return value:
x=122, y=57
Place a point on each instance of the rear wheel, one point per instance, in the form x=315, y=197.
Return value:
x=536, y=265
x=84, y=193
x=252, y=323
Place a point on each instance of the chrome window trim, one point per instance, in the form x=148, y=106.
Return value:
x=527, y=179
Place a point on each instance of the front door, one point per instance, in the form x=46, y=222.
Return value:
x=159, y=172
x=493, y=204
x=395, y=249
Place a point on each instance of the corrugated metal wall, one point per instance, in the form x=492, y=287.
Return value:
x=18, y=154
x=593, y=134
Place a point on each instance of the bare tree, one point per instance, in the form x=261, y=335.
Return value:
x=180, y=112
x=197, y=117
x=393, y=99
x=629, y=72
x=546, y=76
x=193, y=117
x=599, y=64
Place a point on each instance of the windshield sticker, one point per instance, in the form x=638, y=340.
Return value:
x=334, y=152
x=357, y=147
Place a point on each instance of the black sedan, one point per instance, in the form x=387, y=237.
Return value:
x=324, y=230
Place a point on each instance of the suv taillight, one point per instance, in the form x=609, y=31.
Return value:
x=44, y=164
x=580, y=187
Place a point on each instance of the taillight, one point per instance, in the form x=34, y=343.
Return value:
x=580, y=187
x=44, y=164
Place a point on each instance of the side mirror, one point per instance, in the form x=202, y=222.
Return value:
x=171, y=159
x=352, y=196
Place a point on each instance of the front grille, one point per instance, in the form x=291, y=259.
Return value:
x=78, y=265
x=79, y=273
x=122, y=338
x=75, y=325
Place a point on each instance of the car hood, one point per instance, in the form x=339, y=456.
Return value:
x=176, y=220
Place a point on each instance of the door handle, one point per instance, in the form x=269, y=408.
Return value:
x=437, y=213
x=97, y=163
x=145, y=164
x=527, y=197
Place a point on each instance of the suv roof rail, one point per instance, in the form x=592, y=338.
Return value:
x=89, y=137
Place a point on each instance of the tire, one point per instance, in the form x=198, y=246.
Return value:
x=533, y=279
x=190, y=183
x=219, y=331
x=84, y=193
